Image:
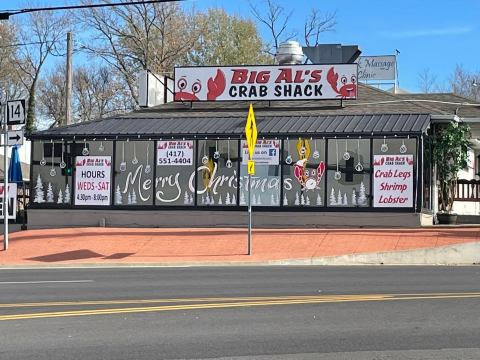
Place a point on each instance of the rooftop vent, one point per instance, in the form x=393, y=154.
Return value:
x=289, y=53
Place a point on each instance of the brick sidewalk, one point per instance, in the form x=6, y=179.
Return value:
x=139, y=245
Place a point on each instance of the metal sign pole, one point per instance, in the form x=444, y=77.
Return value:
x=249, y=214
x=5, y=182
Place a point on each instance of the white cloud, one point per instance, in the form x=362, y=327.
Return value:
x=429, y=32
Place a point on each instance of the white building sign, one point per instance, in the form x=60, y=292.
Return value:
x=376, y=67
x=393, y=181
x=12, y=201
x=92, y=180
x=266, y=82
x=267, y=152
x=174, y=152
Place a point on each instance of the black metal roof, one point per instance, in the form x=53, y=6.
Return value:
x=232, y=124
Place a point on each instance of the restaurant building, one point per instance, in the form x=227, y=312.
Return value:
x=357, y=158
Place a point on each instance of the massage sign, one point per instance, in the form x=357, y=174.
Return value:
x=393, y=181
x=92, y=180
x=266, y=82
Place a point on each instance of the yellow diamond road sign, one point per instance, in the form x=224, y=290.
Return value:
x=251, y=132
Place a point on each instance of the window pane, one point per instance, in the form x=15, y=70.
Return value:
x=51, y=182
x=175, y=182
x=217, y=172
x=304, y=172
x=348, y=175
x=133, y=173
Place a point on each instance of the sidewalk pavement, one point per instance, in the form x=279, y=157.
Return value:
x=225, y=246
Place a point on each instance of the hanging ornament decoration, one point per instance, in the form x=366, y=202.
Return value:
x=205, y=157
x=216, y=154
x=316, y=153
x=288, y=159
x=134, y=160
x=338, y=174
x=359, y=166
x=63, y=165
x=228, y=163
x=148, y=167
x=346, y=154
x=303, y=149
x=85, y=151
x=101, y=148
x=384, y=147
x=123, y=164
x=43, y=162
x=403, y=147
x=53, y=172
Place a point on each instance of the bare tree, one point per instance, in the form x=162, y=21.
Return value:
x=277, y=20
x=426, y=81
x=465, y=84
x=51, y=98
x=44, y=32
x=11, y=85
x=135, y=37
x=316, y=24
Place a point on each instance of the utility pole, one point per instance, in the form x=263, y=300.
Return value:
x=5, y=177
x=68, y=82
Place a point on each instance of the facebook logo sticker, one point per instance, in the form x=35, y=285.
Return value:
x=272, y=152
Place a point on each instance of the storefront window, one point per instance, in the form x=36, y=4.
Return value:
x=394, y=162
x=175, y=173
x=348, y=174
x=303, y=172
x=266, y=180
x=52, y=173
x=134, y=173
x=217, y=172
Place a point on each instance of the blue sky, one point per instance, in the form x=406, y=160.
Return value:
x=434, y=34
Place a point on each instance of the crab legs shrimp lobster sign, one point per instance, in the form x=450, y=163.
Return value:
x=266, y=82
x=393, y=181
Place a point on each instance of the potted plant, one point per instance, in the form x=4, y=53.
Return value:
x=450, y=155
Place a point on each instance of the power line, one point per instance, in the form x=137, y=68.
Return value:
x=5, y=15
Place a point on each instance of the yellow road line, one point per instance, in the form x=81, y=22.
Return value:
x=181, y=300
x=281, y=301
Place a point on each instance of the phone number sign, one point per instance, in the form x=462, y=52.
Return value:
x=175, y=153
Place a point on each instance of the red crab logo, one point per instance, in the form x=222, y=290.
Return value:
x=348, y=90
x=216, y=86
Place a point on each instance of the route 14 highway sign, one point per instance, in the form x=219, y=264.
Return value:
x=16, y=112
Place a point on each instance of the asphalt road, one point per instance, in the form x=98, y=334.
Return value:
x=241, y=313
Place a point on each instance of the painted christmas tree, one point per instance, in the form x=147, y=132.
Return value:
x=339, y=197
x=39, y=195
x=362, y=198
x=49, y=193
x=60, y=197
x=254, y=200
x=118, y=196
x=134, y=197
x=302, y=200
x=354, y=198
x=285, y=200
x=234, y=200
x=66, y=195
x=345, y=199
x=227, y=199
x=203, y=200
x=333, y=199
x=220, y=200
x=242, y=198
x=259, y=199
x=129, y=199
x=191, y=200
x=297, y=199
x=307, y=200
x=272, y=200
x=186, y=199
x=319, y=200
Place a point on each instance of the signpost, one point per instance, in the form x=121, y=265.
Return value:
x=251, y=135
x=14, y=114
